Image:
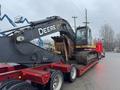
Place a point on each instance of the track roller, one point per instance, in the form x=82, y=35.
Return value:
x=86, y=57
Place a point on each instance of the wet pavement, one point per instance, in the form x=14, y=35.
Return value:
x=104, y=76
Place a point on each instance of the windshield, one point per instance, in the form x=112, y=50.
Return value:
x=81, y=35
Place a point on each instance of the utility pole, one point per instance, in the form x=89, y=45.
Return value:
x=86, y=18
x=0, y=10
x=74, y=17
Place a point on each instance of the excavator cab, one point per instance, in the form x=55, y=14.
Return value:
x=83, y=36
x=85, y=49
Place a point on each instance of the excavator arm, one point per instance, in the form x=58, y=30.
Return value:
x=15, y=45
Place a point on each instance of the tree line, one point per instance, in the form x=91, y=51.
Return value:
x=111, y=40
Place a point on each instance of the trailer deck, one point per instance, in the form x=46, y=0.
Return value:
x=39, y=74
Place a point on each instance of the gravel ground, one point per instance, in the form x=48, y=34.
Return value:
x=104, y=76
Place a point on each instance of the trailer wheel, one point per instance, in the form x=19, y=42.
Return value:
x=72, y=75
x=22, y=86
x=16, y=85
x=56, y=81
x=8, y=83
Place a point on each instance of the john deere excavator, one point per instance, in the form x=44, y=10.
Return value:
x=73, y=54
x=16, y=46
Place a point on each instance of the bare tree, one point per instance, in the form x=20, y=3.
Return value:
x=107, y=35
x=117, y=41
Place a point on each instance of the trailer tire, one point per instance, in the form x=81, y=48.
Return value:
x=22, y=86
x=72, y=75
x=56, y=80
x=8, y=83
x=99, y=56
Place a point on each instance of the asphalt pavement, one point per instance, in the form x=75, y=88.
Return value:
x=104, y=76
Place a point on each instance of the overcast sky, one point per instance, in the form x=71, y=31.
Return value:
x=100, y=12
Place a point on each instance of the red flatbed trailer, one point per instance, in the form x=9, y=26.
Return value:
x=40, y=74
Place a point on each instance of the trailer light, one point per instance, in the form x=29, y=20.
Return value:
x=19, y=77
x=46, y=78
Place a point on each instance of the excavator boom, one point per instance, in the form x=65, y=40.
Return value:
x=15, y=45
